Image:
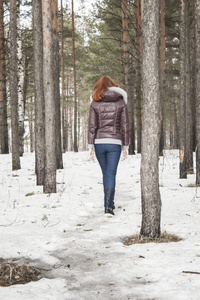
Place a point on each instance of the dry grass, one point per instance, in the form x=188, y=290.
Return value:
x=140, y=239
x=193, y=185
x=11, y=273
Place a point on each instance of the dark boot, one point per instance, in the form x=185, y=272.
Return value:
x=112, y=203
x=109, y=200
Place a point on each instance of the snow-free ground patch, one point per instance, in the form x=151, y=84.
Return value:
x=140, y=239
x=11, y=273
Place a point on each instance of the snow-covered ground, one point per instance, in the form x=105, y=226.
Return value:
x=81, y=249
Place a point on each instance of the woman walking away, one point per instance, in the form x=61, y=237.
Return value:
x=108, y=133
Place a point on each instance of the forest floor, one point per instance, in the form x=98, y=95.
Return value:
x=79, y=251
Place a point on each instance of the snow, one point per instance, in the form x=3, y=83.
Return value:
x=82, y=250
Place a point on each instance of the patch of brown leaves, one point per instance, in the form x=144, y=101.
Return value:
x=140, y=239
x=11, y=273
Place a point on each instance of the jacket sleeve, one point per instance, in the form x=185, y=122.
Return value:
x=92, y=126
x=125, y=127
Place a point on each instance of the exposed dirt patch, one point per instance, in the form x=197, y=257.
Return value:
x=11, y=273
x=140, y=239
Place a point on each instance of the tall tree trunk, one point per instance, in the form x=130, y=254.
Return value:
x=74, y=71
x=14, y=86
x=138, y=73
x=197, y=39
x=39, y=93
x=176, y=134
x=20, y=84
x=64, y=131
x=50, y=126
x=151, y=201
x=189, y=120
x=56, y=78
x=65, y=127
x=173, y=110
x=71, y=143
x=79, y=125
x=3, y=98
x=182, y=105
x=162, y=73
x=171, y=125
x=31, y=129
x=25, y=83
x=127, y=70
x=193, y=76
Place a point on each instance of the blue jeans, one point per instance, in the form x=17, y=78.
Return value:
x=108, y=156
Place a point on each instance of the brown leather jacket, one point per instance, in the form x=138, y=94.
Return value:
x=108, y=118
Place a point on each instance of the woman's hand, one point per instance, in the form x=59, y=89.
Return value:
x=91, y=153
x=125, y=153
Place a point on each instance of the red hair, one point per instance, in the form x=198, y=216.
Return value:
x=101, y=87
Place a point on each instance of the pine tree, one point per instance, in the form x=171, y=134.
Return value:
x=182, y=105
x=50, y=126
x=74, y=73
x=3, y=96
x=56, y=78
x=14, y=86
x=39, y=92
x=151, y=201
x=197, y=39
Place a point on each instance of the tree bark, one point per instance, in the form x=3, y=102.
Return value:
x=127, y=71
x=182, y=104
x=50, y=126
x=176, y=135
x=189, y=119
x=39, y=93
x=31, y=126
x=162, y=73
x=14, y=86
x=26, y=78
x=138, y=74
x=151, y=200
x=193, y=76
x=74, y=72
x=173, y=109
x=56, y=78
x=64, y=131
x=20, y=83
x=197, y=38
x=71, y=143
x=3, y=98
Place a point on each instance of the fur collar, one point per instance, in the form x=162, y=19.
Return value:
x=119, y=91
